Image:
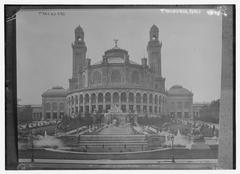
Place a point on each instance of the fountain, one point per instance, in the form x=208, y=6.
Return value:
x=189, y=142
x=116, y=117
x=182, y=140
x=47, y=141
x=121, y=133
x=45, y=134
x=179, y=139
x=118, y=134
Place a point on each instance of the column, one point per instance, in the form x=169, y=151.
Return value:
x=51, y=113
x=182, y=109
x=148, y=103
x=79, y=103
x=162, y=105
x=58, y=110
x=97, y=101
x=127, y=102
x=111, y=99
x=119, y=101
x=84, y=110
x=190, y=110
x=104, y=103
x=43, y=110
x=141, y=103
x=90, y=103
x=134, y=101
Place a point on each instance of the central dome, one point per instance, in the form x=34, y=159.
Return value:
x=116, y=54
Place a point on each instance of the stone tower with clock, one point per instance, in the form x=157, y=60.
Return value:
x=154, y=57
x=79, y=57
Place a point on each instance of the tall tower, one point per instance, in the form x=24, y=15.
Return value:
x=154, y=57
x=79, y=52
x=154, y=51
x=79, y=58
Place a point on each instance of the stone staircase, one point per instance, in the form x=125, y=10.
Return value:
x=112, y=143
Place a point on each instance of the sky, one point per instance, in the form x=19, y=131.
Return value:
x=191, y=47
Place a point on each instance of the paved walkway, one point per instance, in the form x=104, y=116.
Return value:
x=105, y=161
x=121, y=164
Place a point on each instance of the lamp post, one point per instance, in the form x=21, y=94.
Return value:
x=32, y=146
x=172, y=139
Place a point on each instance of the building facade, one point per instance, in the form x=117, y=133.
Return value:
x=116, y=79
x=29, y=113
x=37, y=113
x=180, y=102
x=54, y=103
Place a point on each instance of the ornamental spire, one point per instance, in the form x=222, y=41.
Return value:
x=116, y=40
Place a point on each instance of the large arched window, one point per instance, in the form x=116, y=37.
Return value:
x=138, y=98
x=150, y=98
x=76, y=99
x=115, y=97
x=81, y=99
x=123, y=97
x=86, y=98
x=48, y=106
x=100, y=97
x=156, y=99
x=115, y=76
x=61, y=106
x=108, y=97
x=144, y=98
x=97, y=77
x=93, y=98
x=135, y=77
x=54, y=106
x=131, y=97
x=160, y=100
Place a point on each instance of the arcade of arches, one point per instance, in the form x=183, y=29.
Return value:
x=141, y=102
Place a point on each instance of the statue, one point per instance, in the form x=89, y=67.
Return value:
x=115, y=109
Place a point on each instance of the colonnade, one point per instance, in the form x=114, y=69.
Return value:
x=140, y=101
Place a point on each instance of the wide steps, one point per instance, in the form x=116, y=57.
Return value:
x=135, y=138
x=112, y=142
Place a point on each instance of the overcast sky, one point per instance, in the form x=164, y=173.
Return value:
x=191, y=51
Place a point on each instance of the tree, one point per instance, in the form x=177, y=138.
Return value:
x=24, y=114
x=210, y=113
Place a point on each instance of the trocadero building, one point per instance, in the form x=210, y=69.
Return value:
x=115, y=80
